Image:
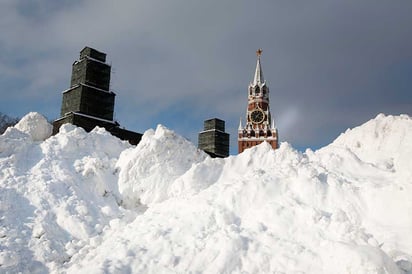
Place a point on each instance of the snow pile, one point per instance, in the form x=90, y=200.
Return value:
x=148, y=170
x=35, y=125
x=56, y=196
x=375, y=159
x=80, y=203
x=385, y=142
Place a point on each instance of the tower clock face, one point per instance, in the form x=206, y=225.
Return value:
x=257, y=116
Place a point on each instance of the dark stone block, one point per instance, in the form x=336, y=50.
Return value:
x=214, y=123
x=213, y=140
x=95, y=54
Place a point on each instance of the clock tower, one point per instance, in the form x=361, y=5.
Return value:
x=259, y=124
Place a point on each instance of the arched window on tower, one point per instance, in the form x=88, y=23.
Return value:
x=257, y=90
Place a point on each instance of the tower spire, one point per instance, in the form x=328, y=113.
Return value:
x=258, y=79
x=258, y=126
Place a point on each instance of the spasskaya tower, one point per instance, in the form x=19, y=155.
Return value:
x=259, y=125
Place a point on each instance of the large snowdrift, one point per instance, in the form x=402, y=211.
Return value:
x=35, y=125
x=87, y=202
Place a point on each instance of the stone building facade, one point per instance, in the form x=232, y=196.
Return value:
x=89, y=102
x=213, y=139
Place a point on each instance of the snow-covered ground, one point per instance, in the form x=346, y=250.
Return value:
x=84, y=202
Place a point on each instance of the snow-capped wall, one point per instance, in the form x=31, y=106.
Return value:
x=89, y=203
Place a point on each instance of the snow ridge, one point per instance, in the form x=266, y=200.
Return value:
x=87, y=202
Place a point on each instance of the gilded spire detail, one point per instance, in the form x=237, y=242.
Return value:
x=258, y=79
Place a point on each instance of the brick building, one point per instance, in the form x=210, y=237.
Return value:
x=259, y=125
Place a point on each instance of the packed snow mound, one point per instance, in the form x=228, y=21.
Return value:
x=384, y=136
x=56, y=196
x=385, y=142
x=89, y=203
x=265, y=211
x=374, y=159
x=12, y=141
x=148, y=170
x=36, y=126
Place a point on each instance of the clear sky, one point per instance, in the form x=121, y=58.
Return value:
x=329, y=64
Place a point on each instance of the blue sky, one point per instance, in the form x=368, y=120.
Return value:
x=330, y=65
